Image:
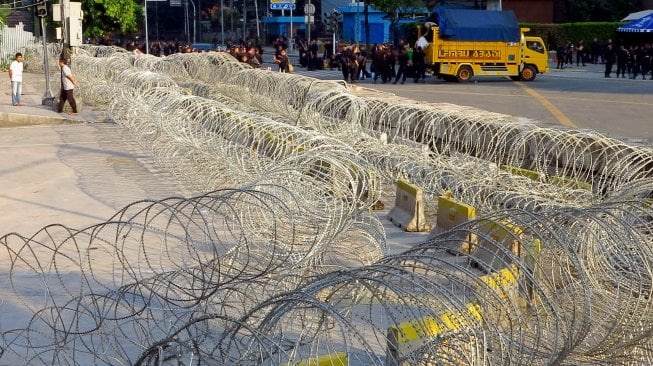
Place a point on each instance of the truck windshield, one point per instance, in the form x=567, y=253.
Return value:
x=535, y=46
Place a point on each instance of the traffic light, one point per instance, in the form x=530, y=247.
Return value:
x=41, y=9
x=334, y=20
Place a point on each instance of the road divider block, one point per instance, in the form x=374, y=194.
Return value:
x=452, y=213
x=498, y=243
x=570, y=183
x=555, y=180
x=521, y=172
x=408, y=212
x=412, y=336
x=331, y=359
x=502, y=282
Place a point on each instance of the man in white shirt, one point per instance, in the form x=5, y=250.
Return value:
x=68, y=83
x=16, y=76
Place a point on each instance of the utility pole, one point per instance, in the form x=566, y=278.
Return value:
x=65, y=35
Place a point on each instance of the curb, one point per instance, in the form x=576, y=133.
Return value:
x=11, y=119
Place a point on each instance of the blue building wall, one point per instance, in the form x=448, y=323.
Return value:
x=351, y=15
x=379, y=27
x=280, y=26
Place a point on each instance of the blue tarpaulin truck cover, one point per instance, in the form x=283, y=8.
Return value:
x=477, y=25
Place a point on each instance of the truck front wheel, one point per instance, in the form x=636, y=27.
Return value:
x=464, y=74
x=528, y=73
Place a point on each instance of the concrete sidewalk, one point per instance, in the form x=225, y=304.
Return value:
x=70, y=170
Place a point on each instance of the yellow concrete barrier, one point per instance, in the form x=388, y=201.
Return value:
x=407, y=337
x=408, y=212
x=570, y=183
x=555, y=180
x=495, y=253
x=331, y=359
x=503, y=282
x=521, y=171
x=452, y=213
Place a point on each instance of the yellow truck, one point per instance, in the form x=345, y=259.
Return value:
x=465, y=43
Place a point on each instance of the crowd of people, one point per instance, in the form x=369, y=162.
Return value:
x=630, y=61
x=383, y=62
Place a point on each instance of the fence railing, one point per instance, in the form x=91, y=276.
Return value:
x=13, y=40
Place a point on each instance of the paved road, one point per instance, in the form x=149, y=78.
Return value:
x=576, y=97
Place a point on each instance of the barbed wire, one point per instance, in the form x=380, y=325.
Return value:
x=293, y=265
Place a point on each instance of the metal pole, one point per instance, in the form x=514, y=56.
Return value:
x=244, y=20
x=292, y=42
x=308, y=27
x=156, y=19
x=147, y=39
x=47, y=99
x=222, y=20
x=358, y=24
x=186, y=25
x=258, y=31
x=194, y=22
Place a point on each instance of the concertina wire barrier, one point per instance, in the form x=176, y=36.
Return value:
x=291, y=264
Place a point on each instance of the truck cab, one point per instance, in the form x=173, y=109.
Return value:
x=535, y=56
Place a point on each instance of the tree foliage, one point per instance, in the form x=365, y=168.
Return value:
x=108, y=16
x=5, y=9
x=232, y=17
x=394, y=9
x=598, y=10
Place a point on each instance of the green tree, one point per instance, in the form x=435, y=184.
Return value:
x=108, y=16
x=5, y=9
x=598, y=10
x=232, y=18
x=394, y=10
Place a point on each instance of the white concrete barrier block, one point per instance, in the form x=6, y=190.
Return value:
x=408, y=212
